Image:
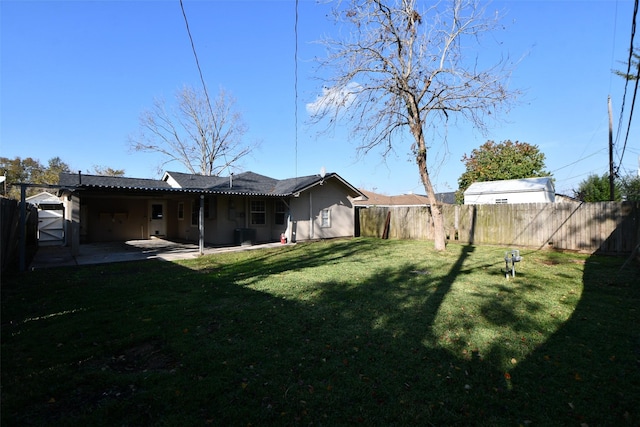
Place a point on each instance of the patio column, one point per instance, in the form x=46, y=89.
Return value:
x=201, y=225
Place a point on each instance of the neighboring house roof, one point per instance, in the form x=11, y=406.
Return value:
x=246, y=183
x=43, y=198
x=511, y=186
x=448, y=198
x=563, y=198
x=375, y=199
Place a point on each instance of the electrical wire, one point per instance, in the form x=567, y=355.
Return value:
x=295, y=88
x=626, y=85
x=195, y=55
x=613, y=45
x=578, y=161
x=633, y=102
x=204, y=85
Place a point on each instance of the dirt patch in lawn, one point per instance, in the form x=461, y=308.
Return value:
x=142, y=357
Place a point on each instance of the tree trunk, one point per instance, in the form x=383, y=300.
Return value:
x=439, y=240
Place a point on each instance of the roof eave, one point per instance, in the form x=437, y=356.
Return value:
x=320, y=181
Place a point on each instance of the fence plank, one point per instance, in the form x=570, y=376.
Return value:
x=607, y=227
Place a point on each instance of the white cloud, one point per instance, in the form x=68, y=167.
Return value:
x=333, y=98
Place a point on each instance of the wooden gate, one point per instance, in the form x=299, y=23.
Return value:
x=51, y=227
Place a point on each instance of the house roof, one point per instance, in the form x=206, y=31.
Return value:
x=448, y=198
x=99, y=181
x=246, y=183
x=511, y=186
x=399, y=200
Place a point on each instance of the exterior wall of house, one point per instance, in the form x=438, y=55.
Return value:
x=227, y=219
x=113, y=219
x=323, y=212
x=183, y=218
x=261, y=216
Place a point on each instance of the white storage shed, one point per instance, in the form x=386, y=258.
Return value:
x=525, y=190
x=51, y=225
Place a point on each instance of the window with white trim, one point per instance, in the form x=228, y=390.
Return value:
x=258, y=212
x=325, y=218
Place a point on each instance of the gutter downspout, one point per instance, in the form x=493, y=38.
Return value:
x=310, y=216
x=201, y=225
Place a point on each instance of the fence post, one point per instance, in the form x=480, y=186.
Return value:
x=22, y=246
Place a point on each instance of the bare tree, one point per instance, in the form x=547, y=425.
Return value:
x=404, y=68
x=206, y=138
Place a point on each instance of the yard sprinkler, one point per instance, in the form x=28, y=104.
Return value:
x=512, y=257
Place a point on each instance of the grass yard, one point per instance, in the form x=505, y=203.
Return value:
x=359, y=331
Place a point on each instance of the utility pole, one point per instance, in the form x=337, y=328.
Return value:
x=611, y=177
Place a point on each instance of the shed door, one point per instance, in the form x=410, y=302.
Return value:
x=51, y=227
x=157, y=218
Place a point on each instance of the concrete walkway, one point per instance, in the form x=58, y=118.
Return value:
x=132, y=250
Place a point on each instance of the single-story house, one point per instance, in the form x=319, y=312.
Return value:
x=237, y=209
x=525, y=190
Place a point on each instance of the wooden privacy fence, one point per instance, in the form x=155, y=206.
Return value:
x=10, y=233
x=605, y=227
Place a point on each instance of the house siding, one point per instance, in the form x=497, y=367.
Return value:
x=307, y=222
x=114, y=219
x=540, y=196
x=121, y=209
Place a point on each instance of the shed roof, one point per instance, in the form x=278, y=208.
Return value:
x=43, y=198
x=522, y=185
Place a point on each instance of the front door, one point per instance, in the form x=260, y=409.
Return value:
x=157, y=218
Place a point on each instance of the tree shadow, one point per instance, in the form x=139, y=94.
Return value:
x=372, y=352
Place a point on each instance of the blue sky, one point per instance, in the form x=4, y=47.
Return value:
x=76, y=75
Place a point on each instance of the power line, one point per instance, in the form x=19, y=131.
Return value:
x=613, y=45
x=195, y=55
x=295, y=88
x=624, y=95
x=204, y=85
x=577, y=161
x=633, y=102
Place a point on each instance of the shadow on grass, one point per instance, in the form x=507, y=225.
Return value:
x=588, y=371
x=187, y=346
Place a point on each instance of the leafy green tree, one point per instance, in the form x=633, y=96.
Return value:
x=30, y=170
x=596, y=189
x=630, y=188
x=51, y=174
x=498, y=161
x=107, y=171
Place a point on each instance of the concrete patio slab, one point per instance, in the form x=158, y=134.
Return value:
x=132, y=250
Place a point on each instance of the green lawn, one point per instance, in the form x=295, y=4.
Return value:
x=360, y=331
